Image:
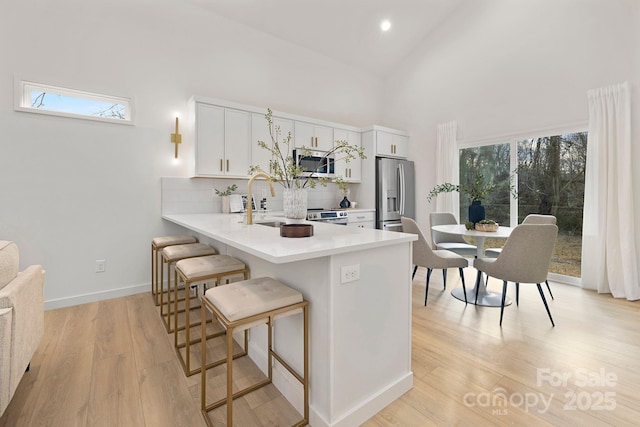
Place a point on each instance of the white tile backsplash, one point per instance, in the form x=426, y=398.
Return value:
x=196, y=195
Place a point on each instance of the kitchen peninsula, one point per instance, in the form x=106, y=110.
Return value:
x=360, y=326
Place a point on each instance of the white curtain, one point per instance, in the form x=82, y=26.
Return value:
x=447, y=167
x=608, y=236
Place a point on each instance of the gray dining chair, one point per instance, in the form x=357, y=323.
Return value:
x=529, y=219
x=525, y=258
x=426, y=257
x=451, y=242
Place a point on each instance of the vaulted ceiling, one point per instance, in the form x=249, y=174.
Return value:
x=345, y=30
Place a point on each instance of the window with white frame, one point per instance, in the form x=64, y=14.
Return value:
x=548, y=173
x=54, y=100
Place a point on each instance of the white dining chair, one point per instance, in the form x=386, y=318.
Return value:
x=426, y=257
x=525, y=258
x=451, y=242
x=529, y=219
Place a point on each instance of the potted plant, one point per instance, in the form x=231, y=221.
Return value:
x=283, y=168
x=225, y=196
x=476, y=191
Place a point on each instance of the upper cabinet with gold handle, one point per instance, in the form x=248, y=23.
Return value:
x=222, y=141
x=352, y=171
x=260, y=132
x=390, y=144
x=312, y=136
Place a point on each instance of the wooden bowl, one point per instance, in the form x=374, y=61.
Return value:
x=296, y=230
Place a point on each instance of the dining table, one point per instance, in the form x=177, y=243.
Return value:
x=484, y=296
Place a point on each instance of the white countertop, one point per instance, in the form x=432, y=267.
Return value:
x=265, y=242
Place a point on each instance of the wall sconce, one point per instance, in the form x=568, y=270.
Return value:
x=176, y=138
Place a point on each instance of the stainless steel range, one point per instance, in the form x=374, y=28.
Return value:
x=339, y=217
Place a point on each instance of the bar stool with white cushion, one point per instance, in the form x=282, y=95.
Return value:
x=200, y=273
x=243, y=305
x=157, y=244
x=171, y=255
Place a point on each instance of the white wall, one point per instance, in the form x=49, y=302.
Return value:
x=508, y=67
x=75, y=191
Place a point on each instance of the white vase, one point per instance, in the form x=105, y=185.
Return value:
x=294, y=204
x=225, y=204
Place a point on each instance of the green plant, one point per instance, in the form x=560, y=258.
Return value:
x=477, y=190
x=230, y=189
x=282, y=167
x=487, y=221
x=469, y=225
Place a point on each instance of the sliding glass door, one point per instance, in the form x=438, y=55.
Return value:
x=548, y=174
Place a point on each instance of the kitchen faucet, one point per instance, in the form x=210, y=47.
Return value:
x=250, y=195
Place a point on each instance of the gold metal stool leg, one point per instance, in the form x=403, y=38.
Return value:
x=230, y=326
x=215, y=278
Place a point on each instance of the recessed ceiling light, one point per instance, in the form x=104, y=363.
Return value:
x=385, y=25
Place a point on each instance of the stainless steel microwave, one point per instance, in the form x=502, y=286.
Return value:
x=316, y=163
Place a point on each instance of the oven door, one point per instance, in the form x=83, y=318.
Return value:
x=338, y=221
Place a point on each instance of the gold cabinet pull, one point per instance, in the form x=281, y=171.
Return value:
x=221, y=170
x=227, y=165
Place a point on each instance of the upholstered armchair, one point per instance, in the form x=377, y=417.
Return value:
x=21, y=319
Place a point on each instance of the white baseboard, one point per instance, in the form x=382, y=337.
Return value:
x=96, y=296
x=292, y=391
x=368, y=408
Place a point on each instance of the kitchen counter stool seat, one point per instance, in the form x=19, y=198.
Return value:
x=157, y=244
x=200, y=272
x=171, y=255
x=243, y=305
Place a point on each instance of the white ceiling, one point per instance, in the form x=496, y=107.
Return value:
x=346, y=30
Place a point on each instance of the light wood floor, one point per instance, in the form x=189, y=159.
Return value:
x=111, y=363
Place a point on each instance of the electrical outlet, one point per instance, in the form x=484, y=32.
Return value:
x=100, y=266
x=350, y=273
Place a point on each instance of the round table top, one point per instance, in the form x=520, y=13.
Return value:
x=461, y=229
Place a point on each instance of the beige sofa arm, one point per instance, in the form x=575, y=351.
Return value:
x=6, y=316
x=25, y=297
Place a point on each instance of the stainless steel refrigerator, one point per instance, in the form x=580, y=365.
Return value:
x=395, y=192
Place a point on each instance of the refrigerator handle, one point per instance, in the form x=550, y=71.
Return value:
x=399, y=188
x=402, y=188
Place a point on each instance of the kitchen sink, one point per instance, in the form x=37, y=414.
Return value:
x=270, y=223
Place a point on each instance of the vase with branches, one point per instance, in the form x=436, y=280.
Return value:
x=476, y=190
x=284, y=170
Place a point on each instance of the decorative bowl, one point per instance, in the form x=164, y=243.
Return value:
x=486, y=227
x=296, y=230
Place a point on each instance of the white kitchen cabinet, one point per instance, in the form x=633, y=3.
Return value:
x=260, y=132
x=391, y=144
x=222, y=138
x=350, y=172
x=209, y=139
x=314, y=137
x=362, y=219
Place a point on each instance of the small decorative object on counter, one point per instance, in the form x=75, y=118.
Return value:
x=469, y=225
x=296, y=230
x=225, y=197
x=345, y=203
x=487, y=225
